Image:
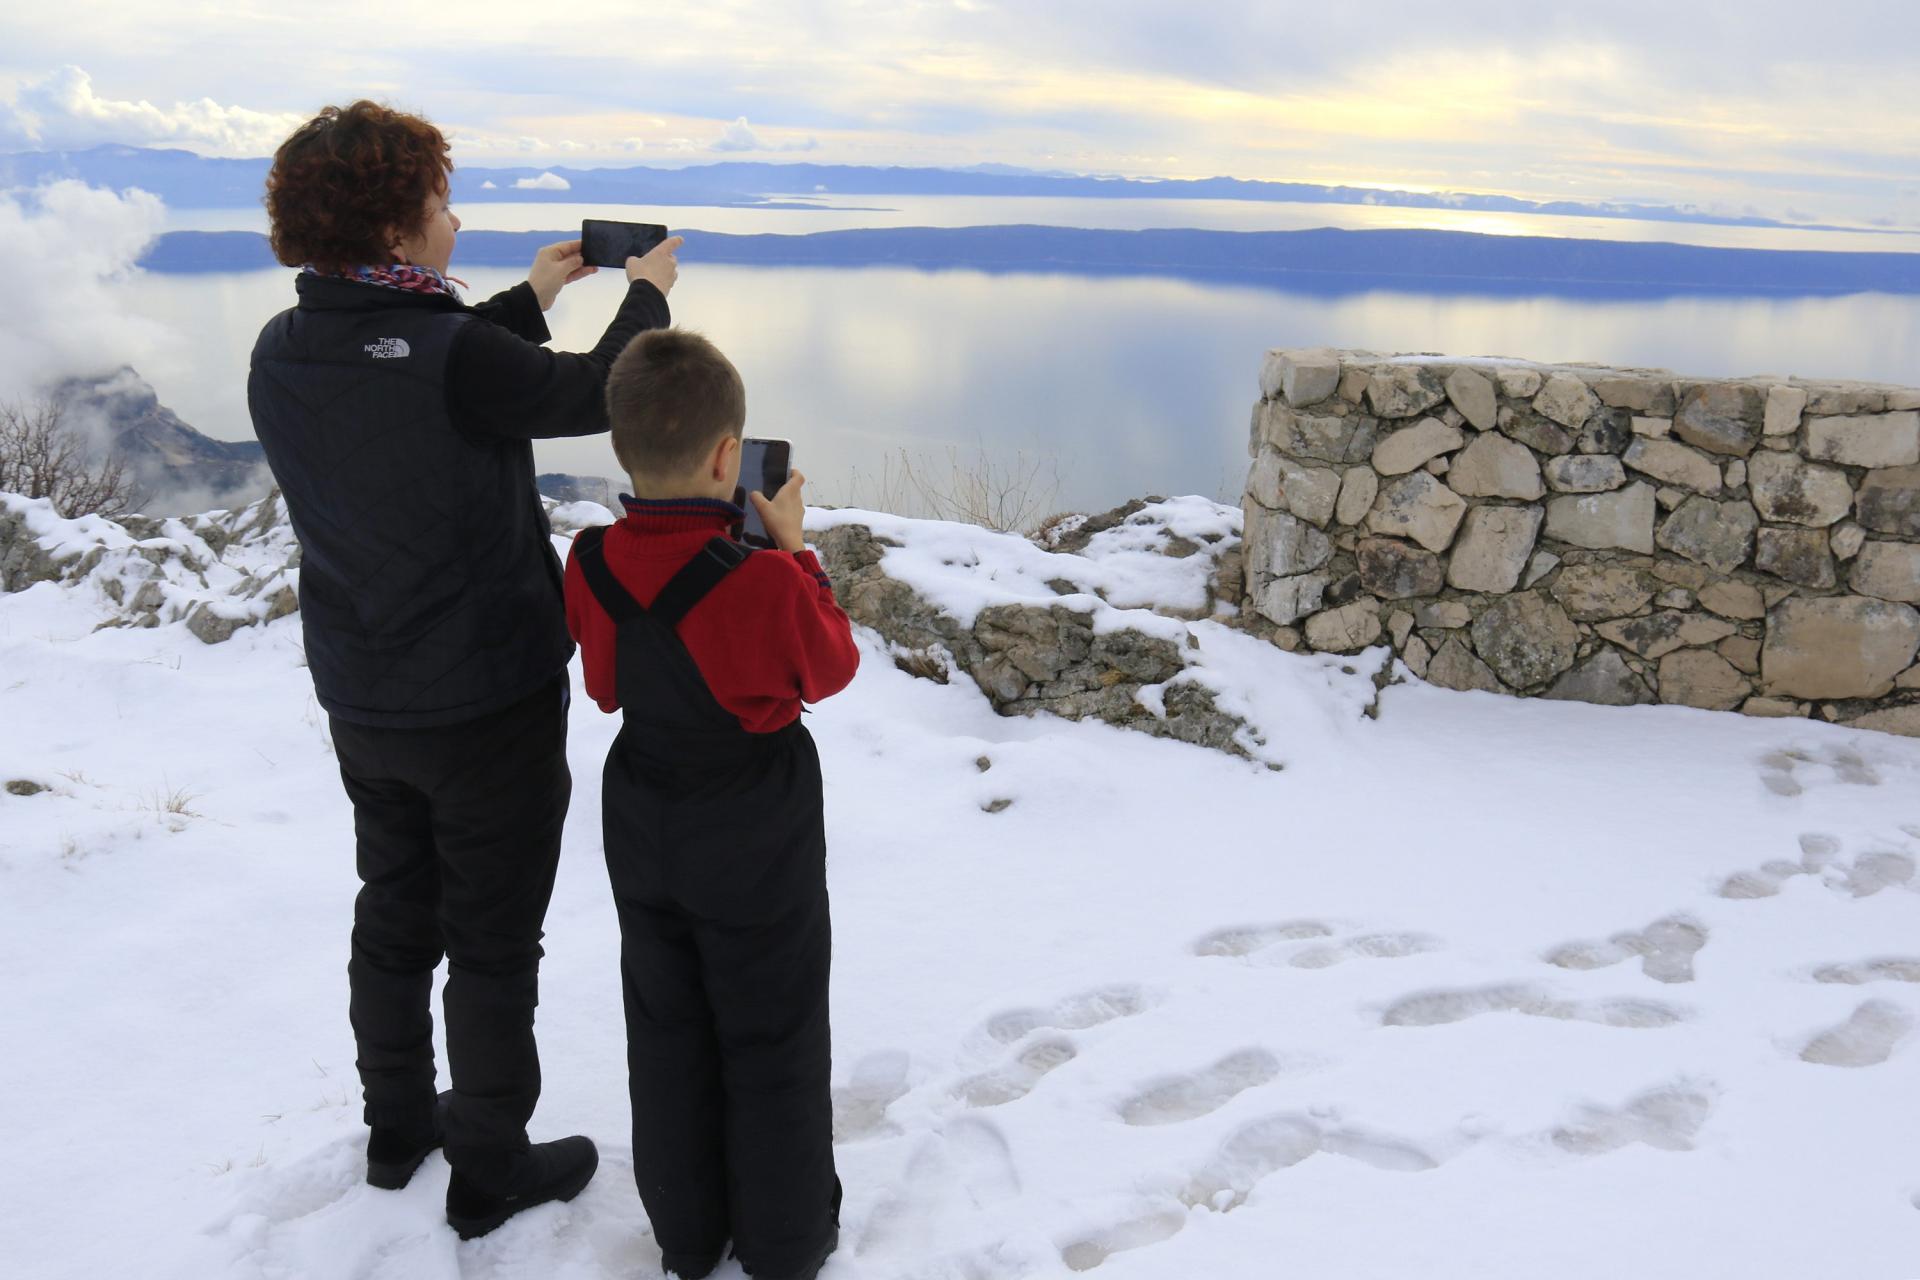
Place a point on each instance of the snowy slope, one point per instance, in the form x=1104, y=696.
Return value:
x=1166, y=1014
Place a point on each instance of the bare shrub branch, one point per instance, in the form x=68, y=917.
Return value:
x=1008, y=495
x=43, y=456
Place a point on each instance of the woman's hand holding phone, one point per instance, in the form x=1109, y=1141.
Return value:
x=784, y=513
x=555, y=267
x=660, y=267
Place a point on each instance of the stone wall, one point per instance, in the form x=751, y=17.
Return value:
x=1617, y=536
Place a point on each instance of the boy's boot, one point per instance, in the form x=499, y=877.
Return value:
x=688, y=1266
x=545, y=1171
x=395, y=1151
x=811, y=1268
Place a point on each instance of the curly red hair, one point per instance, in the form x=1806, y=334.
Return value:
x=351, y=180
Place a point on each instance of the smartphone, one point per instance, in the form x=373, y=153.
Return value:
x=764, y=465
x=604, y=243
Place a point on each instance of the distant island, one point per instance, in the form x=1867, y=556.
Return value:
x=189, y=181
x=1326, y=260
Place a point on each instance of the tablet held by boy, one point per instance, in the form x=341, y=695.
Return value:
x=715, y=838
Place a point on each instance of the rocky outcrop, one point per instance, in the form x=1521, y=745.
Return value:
x=1616, y=536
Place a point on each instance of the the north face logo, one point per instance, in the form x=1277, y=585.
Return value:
x=389, y=349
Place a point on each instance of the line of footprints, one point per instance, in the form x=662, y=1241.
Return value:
x=972, y=1159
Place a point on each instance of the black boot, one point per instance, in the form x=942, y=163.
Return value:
x=690, y=1266
x=545, y=1171
x=395, y=1151
x=811, y=1268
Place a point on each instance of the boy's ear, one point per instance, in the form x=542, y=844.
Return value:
x=723, y=456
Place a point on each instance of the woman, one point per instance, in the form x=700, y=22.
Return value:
x=398, y=421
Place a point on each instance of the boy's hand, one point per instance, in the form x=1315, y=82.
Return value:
x=555, y=267
x=784, y=513
x=661, y=266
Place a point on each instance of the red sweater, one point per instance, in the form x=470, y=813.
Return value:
x=768, y=638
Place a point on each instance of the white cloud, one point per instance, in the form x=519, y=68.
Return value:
x=62, y=112
x=489, y=185
x=65, y=251
x=545, y=182
x=739, y=136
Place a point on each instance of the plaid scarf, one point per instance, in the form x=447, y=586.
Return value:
x=394, y=275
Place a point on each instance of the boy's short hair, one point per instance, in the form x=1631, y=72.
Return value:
x=670, y=396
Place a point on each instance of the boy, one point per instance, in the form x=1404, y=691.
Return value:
x=715, y=839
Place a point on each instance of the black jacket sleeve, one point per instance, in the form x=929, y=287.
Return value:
x=502, y=383
x=516, y=310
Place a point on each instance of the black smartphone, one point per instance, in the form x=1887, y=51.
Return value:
x=764, y=465
x=604, y=243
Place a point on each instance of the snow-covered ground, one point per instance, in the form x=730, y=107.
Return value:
x=1483, y=988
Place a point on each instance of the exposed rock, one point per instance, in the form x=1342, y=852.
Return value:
x=1675, y=464
x=24, y=787
x=1675, y=598
x=1283, y=545
x=1799, y=556
x=1771, y=708
x=1904, y=721
x=1653, y=428
x=1787, y=489
x=1519, y=383
x=1604, y=679
x=1536, y=432
x=1542, y=564
x=1566, y=400
x=1908, y=679
x=1353, y=385
x=1867, y=440
x=1742, y=651
x=23, y=561
x=1420, y=507
x=1447, y=615
x=1316, y=437
x=1721, y=417
x=1472, y=394
x=1847, y=539
x=1585, y=473
x=1400, y=626
x=1300, y=377
x=1784, y=405
x=1623, y=519
x=1838, y=647
x=1527, y=639
x=1736, y=474
x=1653, y=636
x=1732, y=599
x=212, y=627
x=1283, y=485
x=1287, y=600
x=1416, y=655
x=1395, y=571
x=1604, y=433
x=1889, y=502
x=1403, y=391
x=1596, y=592
x=1641, y=395
x=1493, y=548
x=1494, y=466
x=1455, y=667
x=1410, y=447
x=1348, y=629
x=1437, y=466
x=1716, y=534
x=1699, y=679
x=1888, y=570
x=1358, y=488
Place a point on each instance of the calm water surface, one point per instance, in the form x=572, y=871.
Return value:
x=1130, y=385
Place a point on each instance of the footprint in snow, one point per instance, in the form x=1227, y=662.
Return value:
x=860, y=1106
x=1435, y=1008
x=1369, y=946
x=1075, y=1013
x=1017, y=1079
x=965, y=1168
x=1244, y=940
x=1866, y=1039
x=1790, y=772
x=1820, y=855
x=1667, y=1118
x=1189, y=1097
x=1666, y=949
x=1887, y=969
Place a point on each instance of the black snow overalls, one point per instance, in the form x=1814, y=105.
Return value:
x=716, y=849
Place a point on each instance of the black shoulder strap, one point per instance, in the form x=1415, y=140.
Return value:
x=720, y=557
x=614, y=598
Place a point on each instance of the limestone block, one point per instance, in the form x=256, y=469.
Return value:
x=1417, y=656
x=1784, y=405
x=1585, y=473
x=1456, y=667
x=1358, y=488
x=1799, y=556
x=1904, y=721
x=1887, y=570
x=1889, y=502
x=1642, y=395
x=1673, y=463
x=1604, y=433
x=1410, y=448
x=1315, y=437
x=1732, y=599
x=1670, y=497
x=1623, y=519
x=1596, y=592
x=1403, y=391
x=1287, y=600
x=1736, y=474
x=1400, y=626
x=1353, y=385
x=1394, y=570
x=1845, y=398
x=1742, y=651
x=1300, y=377
x=1282, y=484
x=1472, y=394
x=1716, y=534
x=1653, y=636
x=1447, y=615
x=1847, y=538
x=1566, y=400
x=1536, y=432
x=1786, y=488
x=1837, y=647
x=1493, y=466
x=1527, y=639
x=1908, y=679
x=1284, y=545
x=1604, y=679
x=1344, y=630
x=1721, y=417
x=1866, y=440
x=1675, y=598
x=1542, y=564
x=1420, y=507
x=1519, y=383
x=1699, y=679
x=1771, y=708
x=1493, y=548
x=1652, y=428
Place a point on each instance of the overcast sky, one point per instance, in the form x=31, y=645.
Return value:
x=1787, y=109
